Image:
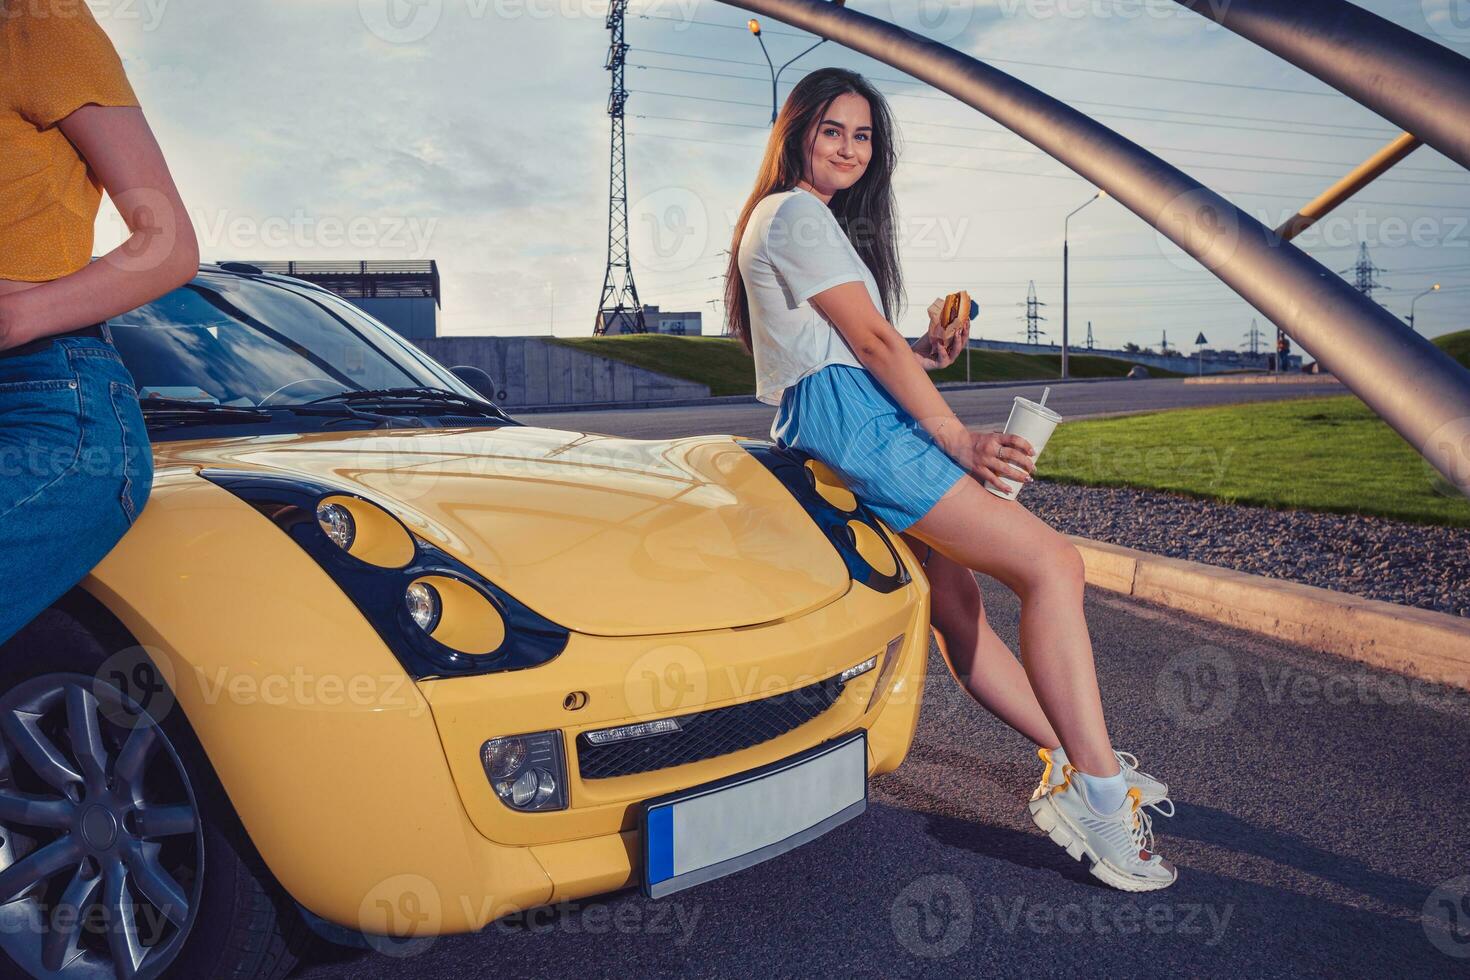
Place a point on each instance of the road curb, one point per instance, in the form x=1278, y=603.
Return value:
x=1266, y=379
x=1419, y=642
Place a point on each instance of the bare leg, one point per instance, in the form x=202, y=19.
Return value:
x=978, y=530
x=979, y=660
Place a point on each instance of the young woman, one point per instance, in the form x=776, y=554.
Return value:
x=812, y=287
x=75, y=464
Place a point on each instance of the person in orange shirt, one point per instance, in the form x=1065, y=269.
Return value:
x=75, y=462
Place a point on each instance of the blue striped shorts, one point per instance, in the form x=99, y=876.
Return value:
x=841, y=415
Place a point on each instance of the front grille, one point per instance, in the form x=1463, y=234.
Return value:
x=707, y=734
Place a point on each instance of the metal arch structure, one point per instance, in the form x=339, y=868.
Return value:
x=1417, y=85
x=1419, y=390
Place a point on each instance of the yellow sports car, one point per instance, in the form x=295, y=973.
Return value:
x=378, y=660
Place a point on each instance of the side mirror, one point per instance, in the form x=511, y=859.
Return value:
x=479, y=380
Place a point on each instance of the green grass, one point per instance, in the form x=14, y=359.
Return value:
x=1457, y=345
x=1325, y=454
x=721, y=363
x=1000, y=365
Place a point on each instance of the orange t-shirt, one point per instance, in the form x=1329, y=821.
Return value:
x=54, y=59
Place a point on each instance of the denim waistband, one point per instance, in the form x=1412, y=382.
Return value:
x=34, y=346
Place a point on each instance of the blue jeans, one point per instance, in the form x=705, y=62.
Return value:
x=76, y=469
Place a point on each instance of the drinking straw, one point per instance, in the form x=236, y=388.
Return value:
x=1046, y=391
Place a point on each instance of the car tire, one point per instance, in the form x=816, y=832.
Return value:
x=235, y=920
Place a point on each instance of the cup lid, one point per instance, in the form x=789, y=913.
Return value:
x=1039, y=409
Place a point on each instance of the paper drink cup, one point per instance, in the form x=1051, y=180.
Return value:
x=1032, y=422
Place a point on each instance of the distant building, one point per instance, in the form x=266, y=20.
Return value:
x=403, y=295
x=689, y=324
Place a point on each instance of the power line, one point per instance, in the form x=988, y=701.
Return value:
x=1041, y=64
x=1041, y=153
x=1023, y=173
x=1377, y=131
x=1378, y=137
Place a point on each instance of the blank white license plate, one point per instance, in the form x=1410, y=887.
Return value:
x=704, y=832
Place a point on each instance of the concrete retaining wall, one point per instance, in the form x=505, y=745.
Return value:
x=530, y=372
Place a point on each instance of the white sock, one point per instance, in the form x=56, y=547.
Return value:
x=1106, y=793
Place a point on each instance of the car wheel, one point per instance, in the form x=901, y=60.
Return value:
x=120, y=855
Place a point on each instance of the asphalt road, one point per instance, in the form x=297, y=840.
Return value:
x=982, y=407
x=1320, y=832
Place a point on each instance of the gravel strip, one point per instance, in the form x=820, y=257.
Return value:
x=1374, y=557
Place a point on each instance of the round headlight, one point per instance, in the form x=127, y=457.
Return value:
x=423, y=605
x=502, y=757
x=532, y=787
x=338, y=523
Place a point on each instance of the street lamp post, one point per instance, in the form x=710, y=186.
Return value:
x=1065, y=262
x=1426, y=292
x=755, y=28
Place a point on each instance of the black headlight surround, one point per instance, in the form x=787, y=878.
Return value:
x=789, y=466
x=378, y=593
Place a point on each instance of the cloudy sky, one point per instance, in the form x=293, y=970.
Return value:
x=474, y=132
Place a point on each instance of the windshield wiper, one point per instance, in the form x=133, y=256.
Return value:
x=423, y=397
x=184, y=408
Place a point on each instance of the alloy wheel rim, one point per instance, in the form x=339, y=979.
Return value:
x=101, y=845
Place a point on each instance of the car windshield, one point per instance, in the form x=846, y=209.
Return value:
x=261, y=343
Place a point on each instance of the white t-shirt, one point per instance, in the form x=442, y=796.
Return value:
x=792, y=249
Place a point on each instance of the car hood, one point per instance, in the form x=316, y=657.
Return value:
x=603, y=535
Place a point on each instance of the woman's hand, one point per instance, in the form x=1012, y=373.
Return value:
x=992, y=455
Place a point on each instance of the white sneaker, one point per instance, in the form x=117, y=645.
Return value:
x=1154, y=792
x=1119, y=844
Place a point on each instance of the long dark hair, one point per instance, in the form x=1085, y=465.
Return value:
x=865, y=210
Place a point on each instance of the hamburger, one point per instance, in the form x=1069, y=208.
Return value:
x=949, y=310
